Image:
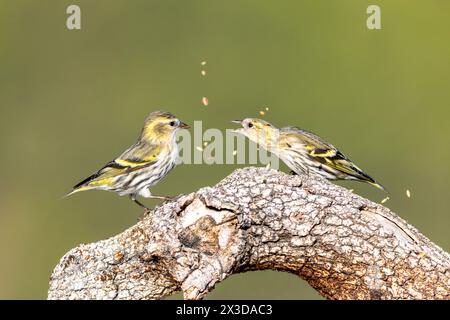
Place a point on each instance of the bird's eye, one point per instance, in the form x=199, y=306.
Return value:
x=250, y=124
x=172, y=123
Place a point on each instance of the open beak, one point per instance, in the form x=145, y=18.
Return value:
x=184, y=125
x=238, y=129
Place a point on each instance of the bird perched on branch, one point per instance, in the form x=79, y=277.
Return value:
x=143, y=164
x=303, y=151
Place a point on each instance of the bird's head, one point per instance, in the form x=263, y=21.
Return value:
x=161, y=126
x=259, y=131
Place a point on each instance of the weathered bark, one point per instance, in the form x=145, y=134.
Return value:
x=345, y=246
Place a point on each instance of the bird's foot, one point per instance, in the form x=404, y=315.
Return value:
x=175, y=198
x=165, y=198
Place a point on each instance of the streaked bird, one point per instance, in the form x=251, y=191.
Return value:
x=143, y=164
x=303, y=151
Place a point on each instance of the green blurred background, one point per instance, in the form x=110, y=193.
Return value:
x=72, y=100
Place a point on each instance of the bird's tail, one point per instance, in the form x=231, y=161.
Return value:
x=378, y=185
x=364, y=177
x=355, y=173
x=77, y=189
x=83, y=185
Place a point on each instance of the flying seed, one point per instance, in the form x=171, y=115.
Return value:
x=351, y=190
x=268, y=166
x=205, y=101
x=262, y=113
x=203, y=72
x=234, y=152
x=267, y=108
x=205, y=143
x=384, y=200
x=203, y=63
x=408, y=193
x=200, y=149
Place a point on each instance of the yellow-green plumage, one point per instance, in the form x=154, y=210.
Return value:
x=142, y=165
x=304, y=151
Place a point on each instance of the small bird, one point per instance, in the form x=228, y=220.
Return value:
x=143, y=164
x=303, y=151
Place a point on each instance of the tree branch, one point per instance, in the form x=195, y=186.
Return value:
x=345, y=246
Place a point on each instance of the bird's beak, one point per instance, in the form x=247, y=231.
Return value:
x=184, y=125
x=239, y=129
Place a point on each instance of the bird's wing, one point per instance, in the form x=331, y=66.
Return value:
x=325, y=153
x=134, y=158
x=102, y=177
x=138, y=155
x=313, y=144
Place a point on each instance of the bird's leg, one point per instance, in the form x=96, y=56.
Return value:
x=133, y=198
x=166, y=198
x=292, y=173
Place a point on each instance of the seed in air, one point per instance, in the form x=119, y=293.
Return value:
x=408, y=193
x=385, y=200
x=268, y=166
x=262, y=113
x=205, y=143
x=203, y=72
x=351, y=190
x=203, y=63
x=205, y=101
x=234, y=152
x=267, y=108
x=200, y=149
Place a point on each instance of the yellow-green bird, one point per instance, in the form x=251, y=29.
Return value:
x=303, y=151
x=143, y=164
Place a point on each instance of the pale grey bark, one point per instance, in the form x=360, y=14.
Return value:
x=345, y=246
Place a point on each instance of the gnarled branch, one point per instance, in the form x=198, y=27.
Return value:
x=345, y=246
